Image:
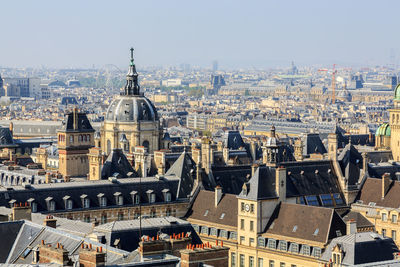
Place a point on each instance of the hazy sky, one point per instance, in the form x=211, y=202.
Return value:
x=80, y=33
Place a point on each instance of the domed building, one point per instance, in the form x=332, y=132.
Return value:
x=382, y=136
x=132, y=117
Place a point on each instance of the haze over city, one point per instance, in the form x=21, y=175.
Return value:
x=238, y=34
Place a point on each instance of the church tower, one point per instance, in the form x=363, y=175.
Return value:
x=395, y=125
x=74, y=140
x=131, y=117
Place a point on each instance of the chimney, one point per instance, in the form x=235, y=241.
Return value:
x=50, y=221
x=21, y=212
x=56, y=254
x=386, y=181
x=280, y=182
x=218, y=194
x=332, y=146
x=90, y=257
x=365, y=162
x=351, y=227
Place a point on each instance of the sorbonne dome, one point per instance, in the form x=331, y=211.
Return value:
x=132, y=116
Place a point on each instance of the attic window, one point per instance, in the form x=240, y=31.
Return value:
x=316, y=231
x=294, y=228
x=326, y=200
x=312, y=201
x=206, y=213
x=222, y=216
x=338, y=233
x=372, y=204
x=338, y=199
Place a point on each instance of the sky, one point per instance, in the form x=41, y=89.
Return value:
x=238, y=34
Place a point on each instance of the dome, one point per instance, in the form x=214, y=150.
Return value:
x=397, y=92
x=384, y=129
x=131, y=108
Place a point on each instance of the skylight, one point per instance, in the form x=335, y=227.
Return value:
x=206, y=213
x=222, y=215
x=294, y=228
x=316, y=231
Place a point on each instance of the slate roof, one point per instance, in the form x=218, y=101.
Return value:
x=127, y=231
x=205, y=200
x=310, y=223
x=233, y=140
x=351, y=163
x=230, y=178
x=31, y=234
x=184, y=168
x=360, y=220
x=83, y=123
x=8, y=234
x=362, y=248
x=91, y=189
x=302, y=179
x=372, y=192
x=6, y=139
x=117, y=165
x=312, y=144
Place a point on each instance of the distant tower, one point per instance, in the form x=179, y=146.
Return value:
x=96, y=160
x=394, y=123
x=215, y=66
x=272, y=152
x=1, y=87
x=74, y=140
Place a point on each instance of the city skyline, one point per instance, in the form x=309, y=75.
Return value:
x=259, y=34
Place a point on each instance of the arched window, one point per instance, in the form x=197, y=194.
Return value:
x=71, y=139
x=146, y=144
x=88, y=137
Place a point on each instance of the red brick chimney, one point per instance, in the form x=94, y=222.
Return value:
x=50, y=221
x=56, y=254
x=91, y=257
x=205, y=253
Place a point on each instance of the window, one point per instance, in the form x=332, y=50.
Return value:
x=305, y=250
x=34, y=207
x=204, y=230
x=282, y=264
x=242, y=206
x=312, y=200
x=271, y=263
x=152, y=198
x=137, y=199
x=120, y=200
x=223, y=233
x=242, y=239
x=251, y=226
x=394, y=235
x=261, y=241
x=241, y=224
x=222, y=216
x=241, y=260
x=282, y=245
x=153, y=214
x=52, y=205
x=260, y=262
x=251, y=241
x=384, y=217
x=168, y=197
x=233, y=259
x=233, y=235
x=316, y=252
x=86, y=203
x=384, y=232
x=316, y=232
x=71, y=139
x=271, y=243
x=294, y=247
x=394, y=218
x=120, y=216
x=252, y=208
x=196, y=227
x=251, y=261
x=300, y=200
x=168, y=212
x=69, y=204
x=213, y=231
x=338, y=199
x=326, y=200
x=86, y=218
x=103, y=202
x=206, y=213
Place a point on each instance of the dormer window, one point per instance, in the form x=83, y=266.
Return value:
x=71, y=139
x=102, y=200
x=151, y=196
x=33, y=204
x=67, y=202
x=85, y=201
x=119, y=199
x=135, y=197
x=167, y=195
x=51, y=204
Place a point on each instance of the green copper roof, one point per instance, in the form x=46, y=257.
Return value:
x=397, y=92
x=384, y=129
